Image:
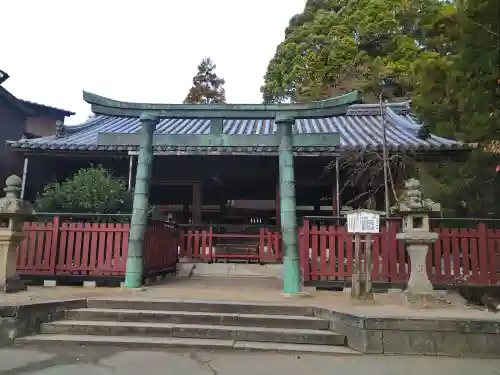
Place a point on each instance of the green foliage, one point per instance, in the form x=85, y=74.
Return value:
x=457, y=93
x=90, y=190
x=458, y=96
x=336, y=46
x=468, y=188
x=444, y=54
x=207, y=87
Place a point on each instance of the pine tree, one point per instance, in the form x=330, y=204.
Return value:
x=207, y=87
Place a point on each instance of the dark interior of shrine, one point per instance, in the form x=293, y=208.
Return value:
x=239, y=189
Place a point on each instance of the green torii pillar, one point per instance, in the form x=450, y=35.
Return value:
x=139, y=221
x=291, y=266
x=284, y=140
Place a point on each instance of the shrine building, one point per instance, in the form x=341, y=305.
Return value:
x=218, y=164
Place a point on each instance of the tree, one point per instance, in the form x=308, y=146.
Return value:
x=336, y=46
x=444, y=54
x=207, y=87
x=90, y=190
x=458, y=96
x=458, y=93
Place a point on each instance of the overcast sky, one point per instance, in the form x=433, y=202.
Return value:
x=131, y=50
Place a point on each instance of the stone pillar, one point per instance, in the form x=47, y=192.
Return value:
x=13, y=212
x=417, y=235
x=139, y=221
x=291, y=266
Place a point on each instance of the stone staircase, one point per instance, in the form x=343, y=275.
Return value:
x=193, y=324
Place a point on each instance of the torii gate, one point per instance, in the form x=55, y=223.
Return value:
x=284, y=115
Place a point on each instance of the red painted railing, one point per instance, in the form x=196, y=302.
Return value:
x=60, y=247
x=327, y=253
x=161, y=243
x=472, y=251
x=63, y=248
x=98, y=249
x=206, y=244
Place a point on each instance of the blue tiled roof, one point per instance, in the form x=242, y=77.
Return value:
x=359, y=128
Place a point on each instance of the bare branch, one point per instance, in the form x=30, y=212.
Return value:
x=364, y=172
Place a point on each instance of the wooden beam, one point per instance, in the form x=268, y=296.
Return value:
x=174, y=183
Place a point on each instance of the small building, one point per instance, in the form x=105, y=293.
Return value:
x=233, y=184
x=21, y=119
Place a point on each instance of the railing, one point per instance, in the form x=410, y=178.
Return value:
x=327, y=253
x=244, y=242
x=76, y=245
x=59, y=247
x=160, y=248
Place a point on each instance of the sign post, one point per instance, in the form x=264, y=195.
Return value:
x=362, y=222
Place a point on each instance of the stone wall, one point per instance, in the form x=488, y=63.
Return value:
x=25, y=319
x=400, y=335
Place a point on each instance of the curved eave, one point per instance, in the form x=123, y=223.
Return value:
x=189, y=150
x=329, y=107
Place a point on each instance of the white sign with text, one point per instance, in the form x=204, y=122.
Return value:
x=363, y=221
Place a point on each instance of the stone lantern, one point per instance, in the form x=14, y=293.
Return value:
x=417, y=236
x=13, y=212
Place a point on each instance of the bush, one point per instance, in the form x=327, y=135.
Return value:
x=90, y=190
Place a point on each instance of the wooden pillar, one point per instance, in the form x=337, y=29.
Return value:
x=223, y=211
x=196, y=210
x=25, y=176
x=336, y=198
x=317, y=208
x=130, y=172
x=186, y=215
x=334, y=201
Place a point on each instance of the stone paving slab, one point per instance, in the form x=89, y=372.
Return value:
x=109, y=360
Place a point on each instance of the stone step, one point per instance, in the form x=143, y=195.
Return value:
x=200, y=306
x=206, y=318
x=219, y=332
x=175, y=342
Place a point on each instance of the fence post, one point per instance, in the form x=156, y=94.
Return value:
x=177, y=233
x=210, y=244
x=55, y=244
x=486, y=256
x=182, y=243
x=262, y=245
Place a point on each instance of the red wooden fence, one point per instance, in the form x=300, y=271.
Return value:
x=59, y=247
x=327, y=252
x=62, y=248
x=160, y=250
x=202, y=243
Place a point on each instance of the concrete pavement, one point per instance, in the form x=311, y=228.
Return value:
x=107, y=361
